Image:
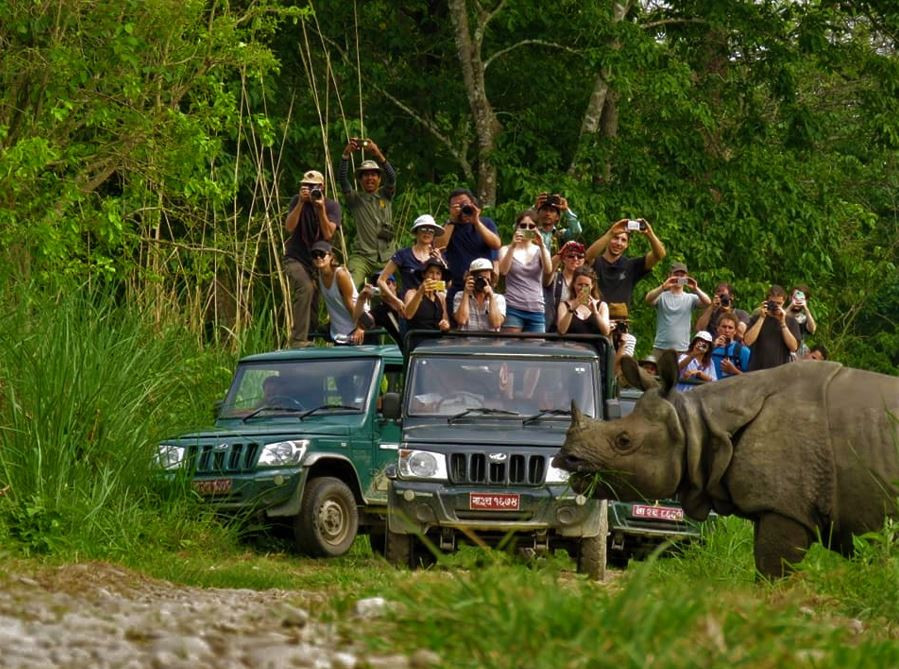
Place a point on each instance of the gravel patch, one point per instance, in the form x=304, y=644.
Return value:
x=101, y=616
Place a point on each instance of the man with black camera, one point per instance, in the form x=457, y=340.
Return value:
x=550, y=210
x=311, y=217
x=617, y=274
x=772, y=334
x=722, y=303
x=477, y=306
x=372, y=209
x=729, y=356
x=466, y=236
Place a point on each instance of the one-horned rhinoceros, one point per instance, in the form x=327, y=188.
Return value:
x=806, y=451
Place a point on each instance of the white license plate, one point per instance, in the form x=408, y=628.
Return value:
x=669, y=513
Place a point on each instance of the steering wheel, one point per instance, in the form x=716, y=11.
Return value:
x=284, y=402
x=463, y=399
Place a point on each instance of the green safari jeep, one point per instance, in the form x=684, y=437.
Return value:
x=300, y=437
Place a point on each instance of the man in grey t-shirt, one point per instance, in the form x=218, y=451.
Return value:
x=674, y=309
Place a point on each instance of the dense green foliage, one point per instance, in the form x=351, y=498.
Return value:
x=154, y=145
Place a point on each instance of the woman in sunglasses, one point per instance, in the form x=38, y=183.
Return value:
x=408, y=262
x=696, y=364
x=584, y=312
x=336, y=286
x=569, y=258
x=527, y=267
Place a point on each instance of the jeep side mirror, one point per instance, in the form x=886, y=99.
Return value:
x=390, y=405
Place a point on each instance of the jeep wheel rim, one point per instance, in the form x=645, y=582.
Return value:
x=332, y=521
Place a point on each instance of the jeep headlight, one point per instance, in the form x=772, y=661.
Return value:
x=422, y=465
x=169, y=456
x=556, y=475
x=283, y=453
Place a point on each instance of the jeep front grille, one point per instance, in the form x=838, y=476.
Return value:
x=219, y=458
x=515, y=469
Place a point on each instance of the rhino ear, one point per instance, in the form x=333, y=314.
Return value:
x=668, y=371
x=576, y=415
x=635, y=375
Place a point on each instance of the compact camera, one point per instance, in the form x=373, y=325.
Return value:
x=315, y=194
x=375, y=291
x=358, y=141
x=682, y=281
x=636, y=225
x=552, y=201
x=480, y=283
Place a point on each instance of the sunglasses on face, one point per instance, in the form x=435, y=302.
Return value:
x=527, y=226
x=428, y=230
x=310, y=186
x=318, y=255
x=574, y=256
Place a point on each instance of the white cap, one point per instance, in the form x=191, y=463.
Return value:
x=479, y=264
x=426, y=220
x=705, y=336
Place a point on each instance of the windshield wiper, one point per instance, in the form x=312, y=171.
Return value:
x=309, y=412
x=270, y=407
x=546, y=412
x=481, y=410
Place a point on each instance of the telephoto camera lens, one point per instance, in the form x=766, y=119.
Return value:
x=316, y=194
x=479, y=284
x=725, y=301
x=467, y=209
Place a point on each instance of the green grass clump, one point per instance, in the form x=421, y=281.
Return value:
x=87, y=390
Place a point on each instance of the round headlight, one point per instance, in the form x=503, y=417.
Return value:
x=423, y=464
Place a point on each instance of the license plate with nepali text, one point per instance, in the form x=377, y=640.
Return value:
x=493, y=501
x=212, y=486
x=669, y=513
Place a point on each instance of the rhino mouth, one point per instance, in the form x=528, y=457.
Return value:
x=572, y=463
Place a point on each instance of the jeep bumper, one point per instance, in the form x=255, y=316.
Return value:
x=415, y=507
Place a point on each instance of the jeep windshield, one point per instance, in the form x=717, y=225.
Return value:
x=310, y=387
x=500, y=387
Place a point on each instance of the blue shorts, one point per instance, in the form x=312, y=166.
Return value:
x=528, y=321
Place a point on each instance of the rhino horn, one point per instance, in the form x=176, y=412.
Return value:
x=575, y=415
x=668, y=371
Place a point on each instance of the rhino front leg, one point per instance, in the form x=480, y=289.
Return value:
x=779, y=543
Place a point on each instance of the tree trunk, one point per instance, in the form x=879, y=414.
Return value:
x=487, y=127
x=601, y=115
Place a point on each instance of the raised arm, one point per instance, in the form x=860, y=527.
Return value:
x=658, y=249
x=597, y=248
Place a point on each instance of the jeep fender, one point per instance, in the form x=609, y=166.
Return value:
x=320, y=464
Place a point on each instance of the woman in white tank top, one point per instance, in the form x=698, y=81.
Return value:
x=339, y=292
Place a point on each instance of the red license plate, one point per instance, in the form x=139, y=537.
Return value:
x=669, y=513
x=212, y=486
x=486, y=501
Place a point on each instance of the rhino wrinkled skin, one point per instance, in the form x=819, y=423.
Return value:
x=807, y=451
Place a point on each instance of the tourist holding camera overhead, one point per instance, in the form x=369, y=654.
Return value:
x=772, y=334
x=722, y=303
x=410, y=261
x=426, y=305
x=551, y=208
x=371, y=208
x=478, y=306
x=466, y=236
x=527, y=266
x=696, y=364
x=311, y=217
x=618, y=274
x=570, y=257
x=584, y=312
x=674, y=309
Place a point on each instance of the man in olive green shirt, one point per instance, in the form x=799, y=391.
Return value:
x=371, y=207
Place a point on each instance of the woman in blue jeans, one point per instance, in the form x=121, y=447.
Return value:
x=527, y=267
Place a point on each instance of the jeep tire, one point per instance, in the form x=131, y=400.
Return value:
x=398, y=549
x=328, y=519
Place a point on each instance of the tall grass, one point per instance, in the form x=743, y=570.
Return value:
x=87, y=389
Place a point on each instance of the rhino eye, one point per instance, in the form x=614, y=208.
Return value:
x=622, y=441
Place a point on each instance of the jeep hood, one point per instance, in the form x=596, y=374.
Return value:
x=507, y=432
x=282, y=430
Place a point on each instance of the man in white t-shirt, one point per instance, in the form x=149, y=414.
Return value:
x=674, y=309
